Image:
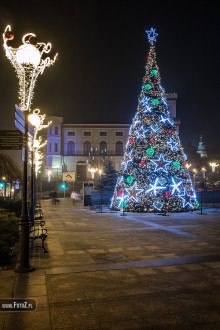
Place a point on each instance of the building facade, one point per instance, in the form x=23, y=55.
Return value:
x=76, y=152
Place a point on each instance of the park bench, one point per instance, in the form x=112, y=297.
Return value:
x=37, y=228
x=38, y=231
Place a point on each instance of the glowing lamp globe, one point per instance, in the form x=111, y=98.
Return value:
x=34, y=119
x=28, y=54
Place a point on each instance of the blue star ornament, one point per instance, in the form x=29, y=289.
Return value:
x=151, y=34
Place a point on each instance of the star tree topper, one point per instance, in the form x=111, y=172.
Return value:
x=151, y=34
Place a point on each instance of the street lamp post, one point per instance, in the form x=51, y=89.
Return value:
x=5, y=184
x=213, y=166
x=204, y=178
x=203, y=189
x=101, y=187
x=194, y=177
x=28, y=63
x=37, y=122
x=48, y=175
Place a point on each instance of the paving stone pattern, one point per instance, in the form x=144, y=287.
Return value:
x=109, y=270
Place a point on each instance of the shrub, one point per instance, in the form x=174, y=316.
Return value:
x=9, y=234
x=11, y=206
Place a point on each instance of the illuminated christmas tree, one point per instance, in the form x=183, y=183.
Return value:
x=154, y=176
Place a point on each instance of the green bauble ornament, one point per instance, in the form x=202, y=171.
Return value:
x=147, y=87
x=150, y=151
x=154, y=72
x=155, y=101
x=176, y=165
x=130, y=179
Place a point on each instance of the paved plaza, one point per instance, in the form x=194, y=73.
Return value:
x=109, y=270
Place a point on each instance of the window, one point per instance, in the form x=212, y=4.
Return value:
x=103, y=133
x=119, y=148
x=103, y=147
x=87, y=133
x=71, y=133
x=81, y=172
x=71, y=148
x=56, y=147
x=119, y=134
x=56, y=130
x=87, y=147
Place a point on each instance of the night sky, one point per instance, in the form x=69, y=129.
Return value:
x=102, y=50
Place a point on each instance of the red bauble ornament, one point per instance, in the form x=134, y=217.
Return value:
x=148, y=57
x=167, y=194
x=151, y=139
x=9, y=35
x=120, y=193
x=169, y=131
x=131, y=140
x=142, y=163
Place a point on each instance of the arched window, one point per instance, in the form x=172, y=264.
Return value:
x=71, y=148
x=87, y=147
x=81, y=171
x=103, y=147
x=119, y=148
x=56, y=147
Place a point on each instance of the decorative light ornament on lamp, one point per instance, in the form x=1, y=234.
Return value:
x=28, y=63
x=36, y=156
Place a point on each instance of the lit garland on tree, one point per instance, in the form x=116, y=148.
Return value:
x=154, y=174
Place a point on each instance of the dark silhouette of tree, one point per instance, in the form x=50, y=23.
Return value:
x=9, y=169
x=107, y=181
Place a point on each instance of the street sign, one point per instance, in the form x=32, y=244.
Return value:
x=68, y=176
x=10, y=140
x=10, y=133
x=20, y=122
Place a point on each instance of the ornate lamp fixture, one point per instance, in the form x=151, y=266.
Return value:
x=29, y=61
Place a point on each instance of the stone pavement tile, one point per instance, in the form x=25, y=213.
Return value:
x=137, y=324
x=171, y=269
x=57, y=297
x=145, y=271
x=29, y=285
x=29, y=291
x=7, y=279
x=77, y=252
x=36, y=320
x=194, y=267
x=63, y=283
x=2, y=319
x=113, y=310
x=73, y=317
x=212, y=264
x=59, y=270
x=41, y=302
x=175, y=309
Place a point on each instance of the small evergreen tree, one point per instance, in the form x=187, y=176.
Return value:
x=106, y=183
